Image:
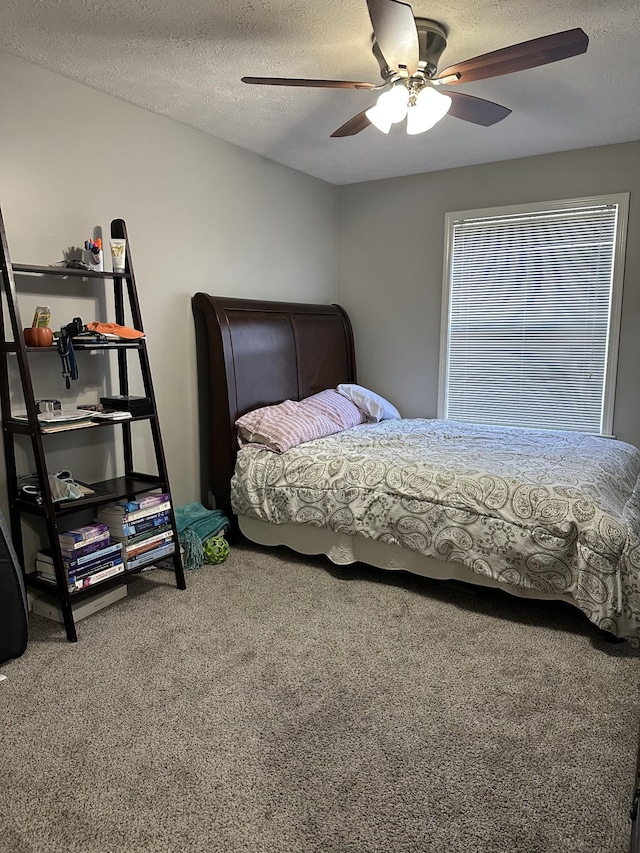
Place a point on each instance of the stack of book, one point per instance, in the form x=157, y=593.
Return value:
x=143, y=527
x=88, y=556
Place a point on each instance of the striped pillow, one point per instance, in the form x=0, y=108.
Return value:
x=288, y=424
x=336, y=407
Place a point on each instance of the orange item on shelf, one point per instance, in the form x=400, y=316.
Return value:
x=38, y=336
x=114, y=329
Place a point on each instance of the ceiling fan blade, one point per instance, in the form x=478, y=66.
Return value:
x=476, y=110
x=519, y=57
x=317, y=84
x=395, y=30
x=353, y=126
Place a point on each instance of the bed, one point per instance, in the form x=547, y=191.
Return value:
x=539, y=514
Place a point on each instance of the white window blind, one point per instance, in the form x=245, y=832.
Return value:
x=528, y=321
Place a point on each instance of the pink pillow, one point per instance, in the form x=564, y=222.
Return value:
x=291, y=423
x=337, y=407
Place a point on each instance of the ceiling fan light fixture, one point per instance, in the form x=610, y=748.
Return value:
x=390, y=108
x=429, y=108
x=378, y=118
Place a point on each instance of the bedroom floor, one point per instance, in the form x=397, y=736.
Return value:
x=282, y=704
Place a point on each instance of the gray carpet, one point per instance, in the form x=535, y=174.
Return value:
x=282, y=705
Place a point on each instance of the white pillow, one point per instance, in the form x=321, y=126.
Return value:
x=375, y=407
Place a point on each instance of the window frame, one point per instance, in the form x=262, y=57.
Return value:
x=621, y=200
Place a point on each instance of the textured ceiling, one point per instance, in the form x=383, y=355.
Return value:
x=184, y=60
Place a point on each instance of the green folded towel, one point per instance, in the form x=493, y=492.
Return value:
x=196, y=524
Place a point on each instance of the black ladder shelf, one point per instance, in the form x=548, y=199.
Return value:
x=126, y=487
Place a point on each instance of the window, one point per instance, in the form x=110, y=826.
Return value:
x=531, y=314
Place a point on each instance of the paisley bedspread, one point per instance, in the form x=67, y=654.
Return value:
x=553, y=511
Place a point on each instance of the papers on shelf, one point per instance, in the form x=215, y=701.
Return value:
x=66, y=425
x=60, y=424
x=63, y=419
x=59, y=416
x=110, y=416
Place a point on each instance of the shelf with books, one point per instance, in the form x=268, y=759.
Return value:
x=35, y=582
x=140, y=533
x=81, y=578
x=143, y=527
x=86, y=553
x=124, y=535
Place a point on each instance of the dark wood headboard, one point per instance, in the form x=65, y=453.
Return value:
x=251, y=354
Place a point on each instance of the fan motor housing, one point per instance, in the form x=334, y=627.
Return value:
x=432, y=40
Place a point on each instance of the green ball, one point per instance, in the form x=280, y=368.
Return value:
x=216, y=549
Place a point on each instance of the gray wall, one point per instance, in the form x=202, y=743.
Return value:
x=390, y=257
x=201, y=214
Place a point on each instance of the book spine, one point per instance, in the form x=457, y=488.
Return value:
x=82, y=534
x=115, y=519
x=150, y=542
x=83, y=583
x=145, y=524
x=150, y=556
x=95, y=558
x=131, y=517
x=47, y=572
x=46, y=556
x=144, y=503
x=131, y=532
x=80, y=574
x=132, y=541
x=88, y=548
x=135, y=506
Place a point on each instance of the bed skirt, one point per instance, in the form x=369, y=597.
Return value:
x=343, y=550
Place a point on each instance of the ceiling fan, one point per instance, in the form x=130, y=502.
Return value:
x=408, y=50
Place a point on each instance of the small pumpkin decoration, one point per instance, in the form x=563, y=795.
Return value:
x=38, y=337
